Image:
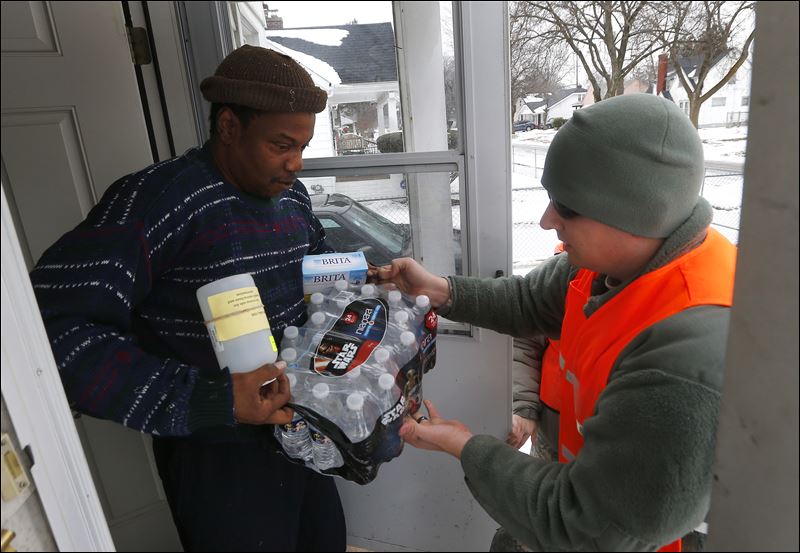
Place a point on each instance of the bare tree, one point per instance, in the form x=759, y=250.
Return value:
x=711, y=33
x=536, y=65
x=609, y=38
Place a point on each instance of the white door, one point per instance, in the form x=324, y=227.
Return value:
x=72, y=124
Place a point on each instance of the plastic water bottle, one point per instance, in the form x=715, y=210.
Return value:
x=315, y=305
x=368, y=291
x=379, y=364
x=341, y=285
x=326, y=454
x=407, y=348
x=399, y=324
x=324, y=402
x=237, y=323
x=298, y=380
x=295, y=436
x=387, y=394
x=422, y=305
x=318, y=321
x=355, y=424
x=356, y=381
x=395, y=300
x=291, y=337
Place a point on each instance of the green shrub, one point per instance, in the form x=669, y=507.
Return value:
x=390, y=142
x=558, y=121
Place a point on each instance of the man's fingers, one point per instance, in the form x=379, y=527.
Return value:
x=433, y=413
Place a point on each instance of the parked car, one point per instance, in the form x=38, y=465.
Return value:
x=524, y=126
x=350, y=226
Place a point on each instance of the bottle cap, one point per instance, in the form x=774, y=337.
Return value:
x=395, y=296
x=401, y=317
x=320, y=390
x=407, y=338
x=341, y=303
x=291, y=332
x=381, y=355
x=354, y=373
x=386, y=381
x=317, y=298
x=340, y=285
x=368, y=290
x=292, y=380
x=355, y=401
x=318, y=318
x=289, y=355
x=423, y=301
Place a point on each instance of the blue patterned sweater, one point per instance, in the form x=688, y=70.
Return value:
x=117, y=293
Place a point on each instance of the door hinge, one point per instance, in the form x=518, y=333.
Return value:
x=140, y=45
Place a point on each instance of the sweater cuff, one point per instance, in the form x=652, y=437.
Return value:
x=530, y=413
x=211, y=403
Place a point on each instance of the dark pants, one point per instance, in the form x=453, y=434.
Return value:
x=244, y=496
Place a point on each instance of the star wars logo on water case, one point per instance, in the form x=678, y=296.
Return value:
x=352, y=339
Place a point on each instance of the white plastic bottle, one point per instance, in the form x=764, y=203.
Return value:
x=326, y=454
x=407, y=347
x=395, y=300
x=295, y=437
x=316, y=303
x=356, y=381
x=237, y=323
x=355, y=424
x=422, y=304
x=379, y=363
x=325, y=403
x=388, y=397
x=368, y=291
x=291, y=337
x=399, y=324
x=298, y=382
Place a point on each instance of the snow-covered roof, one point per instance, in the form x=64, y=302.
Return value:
x=323, y=74
x=357, y=53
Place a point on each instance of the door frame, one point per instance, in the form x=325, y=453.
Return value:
x=38, y=409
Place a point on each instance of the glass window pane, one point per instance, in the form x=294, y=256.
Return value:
x=375, y=214
x=350, y=49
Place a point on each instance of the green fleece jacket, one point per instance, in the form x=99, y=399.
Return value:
x=643, y=477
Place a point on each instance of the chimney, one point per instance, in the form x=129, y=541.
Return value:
x=273, y=21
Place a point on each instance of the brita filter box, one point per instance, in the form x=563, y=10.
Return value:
x=321, y=272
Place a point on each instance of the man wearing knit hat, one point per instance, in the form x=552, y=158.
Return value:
x=640, y=303
x=129, y=336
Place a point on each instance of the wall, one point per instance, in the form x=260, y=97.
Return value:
x=754, y=505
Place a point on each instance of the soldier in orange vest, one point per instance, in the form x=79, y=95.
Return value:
x=640, y=305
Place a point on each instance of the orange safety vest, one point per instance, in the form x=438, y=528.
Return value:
x=590, y=347
x=550, y=387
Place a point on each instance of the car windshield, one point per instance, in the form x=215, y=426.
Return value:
x=390, y=235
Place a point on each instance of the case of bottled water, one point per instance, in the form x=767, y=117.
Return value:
x=355, y=368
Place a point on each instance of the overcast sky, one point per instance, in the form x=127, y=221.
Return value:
x=318, y=14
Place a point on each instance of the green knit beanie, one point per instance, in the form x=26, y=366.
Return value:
x=634, y=162
x=263, y=79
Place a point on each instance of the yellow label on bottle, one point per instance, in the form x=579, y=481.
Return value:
x=237, y=312
x=272, y=341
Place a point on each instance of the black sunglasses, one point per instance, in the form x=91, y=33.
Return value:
x=563, y=211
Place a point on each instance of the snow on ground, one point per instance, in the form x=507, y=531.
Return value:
x=532, y=244
x=722, y=188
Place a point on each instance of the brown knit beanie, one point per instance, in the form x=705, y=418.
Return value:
x=263, y=79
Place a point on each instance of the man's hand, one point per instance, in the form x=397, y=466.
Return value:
x=435, y=433
x=521, y=430
x=256, y=402
x=412, y=278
